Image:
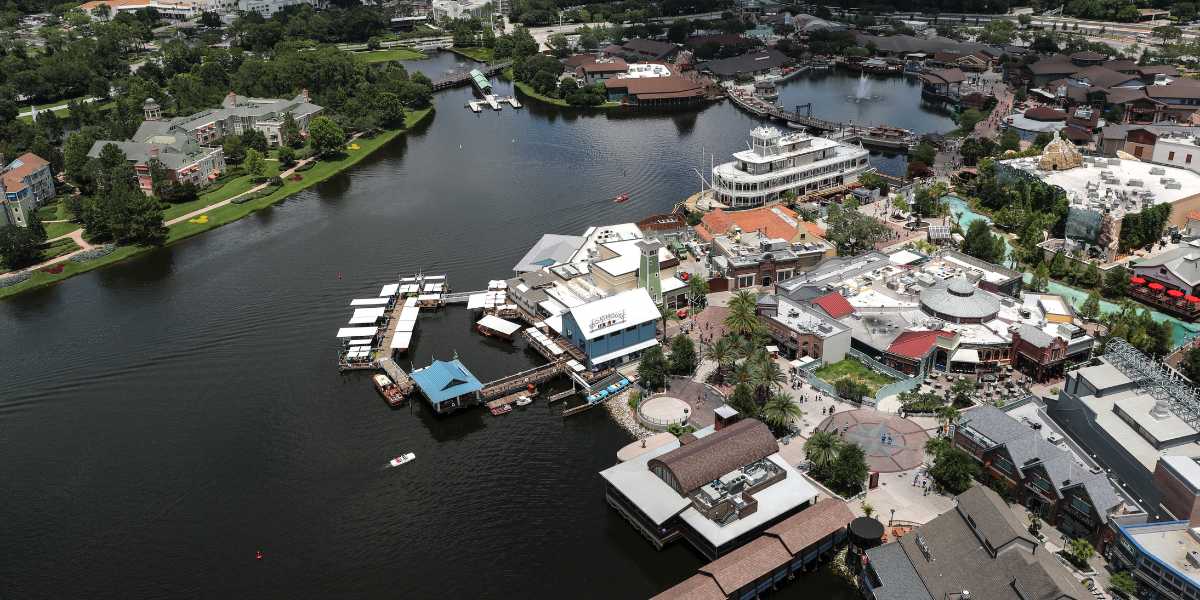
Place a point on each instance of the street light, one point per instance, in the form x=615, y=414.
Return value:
x=892, y=518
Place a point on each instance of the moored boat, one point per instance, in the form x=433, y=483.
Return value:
x=388, y=389
x=621, y=198
x=524, y=401
x=503, y=409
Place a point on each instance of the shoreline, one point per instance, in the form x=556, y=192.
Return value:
x=528, y=91
x=228, y=213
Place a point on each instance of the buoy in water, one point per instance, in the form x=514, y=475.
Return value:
x=258, y=555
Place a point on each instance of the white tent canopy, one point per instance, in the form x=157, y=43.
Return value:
x=401, y=340
x=499, y=325
x=370, y=301
x=965, y=355
x=363, y=316
x=357, y=332
x=389, y=289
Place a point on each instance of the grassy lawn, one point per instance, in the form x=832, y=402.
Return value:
x=54, y=230
x=321, y=171
x=475, y=53
x=228, y=190
x=106, y=106
x=59, y=248
x=853, y=368
x=391, y=54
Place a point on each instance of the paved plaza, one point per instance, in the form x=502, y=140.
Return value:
x=891, y=443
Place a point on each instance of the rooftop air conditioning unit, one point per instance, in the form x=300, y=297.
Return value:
x=1193, y=558
x=1174, y=185
x=1157, y=171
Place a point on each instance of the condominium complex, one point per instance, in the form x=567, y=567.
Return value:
x=25, y=184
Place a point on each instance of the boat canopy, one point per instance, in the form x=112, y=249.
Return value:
x=370, y=301
x=355, y=332
x=363, y=316
x=499, y=325
x=389, y=289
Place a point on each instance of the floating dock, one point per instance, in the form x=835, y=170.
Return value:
x=493, y=102
x=383, y=326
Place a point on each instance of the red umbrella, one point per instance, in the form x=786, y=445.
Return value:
x=1136, y=280
x=1175, y=293
x=1158, y=287
x=1192, y=299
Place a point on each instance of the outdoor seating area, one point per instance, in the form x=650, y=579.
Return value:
x=998, y=388
x=1172, y=301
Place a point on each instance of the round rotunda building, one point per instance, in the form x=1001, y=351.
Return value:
x=958, y=300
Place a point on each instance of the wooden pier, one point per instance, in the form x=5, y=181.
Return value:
x=562, y=395
x=397, y=375
x=520, y=381
x=457, y=79
x=842, y=132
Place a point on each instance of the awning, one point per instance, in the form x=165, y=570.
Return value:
x=401, y=340
x=389, y=289
x=499, y=325
x=354, y=332
x=370, y=301
x=363, y=316
x=409, y=313
x=475, y=301
x=965, y=355
x=362, y=342
x=603, y=358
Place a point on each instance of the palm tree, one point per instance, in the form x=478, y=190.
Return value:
x=722, y=352
x=666, y=314
x=740, y=320
x=765, y=374
x=781, y=411
x=743, y=372
x=698, y=289
x=949, y=415
x=821, y=449
x=743, y=300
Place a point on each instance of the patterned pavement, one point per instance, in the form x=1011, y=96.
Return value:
x=904, y=448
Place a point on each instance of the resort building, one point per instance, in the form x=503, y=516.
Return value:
x=552, y=249
x=655, y=91
x=167, y=9
x=779, y=164
x=1047, y=478
x=716, y=489
x=1170, y=280
x=914, y=313
x=592, y=69
x=613, y=330
x=447, y=385
x=237, y=115
x=760, y=246
x=977, y=550
x=643, y=50
x=183, y=159
x=755, y=62
x=1178, y=477
x=266, y=8
x=802, y=330
x=25, y=185
x=942, y=85
x=796, y=544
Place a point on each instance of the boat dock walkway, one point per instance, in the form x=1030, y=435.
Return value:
x=384, y=325
x=492, y=101
x=520, y=381
x=896, y=138
x=396, y=374
x=465, y=77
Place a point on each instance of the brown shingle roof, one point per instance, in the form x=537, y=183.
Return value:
x=1102, y=77
x=652, y=47
x=1180, y=88
x=700, y=586
x=812, y=524
x=30, y=162
x=742, y=566
x=639, y=86
x=1042, y=113
x=718, y=453
x=943, y=76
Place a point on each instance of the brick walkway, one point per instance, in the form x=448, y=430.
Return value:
x=866, y=426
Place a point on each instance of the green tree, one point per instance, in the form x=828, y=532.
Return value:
x=1191, y=364
x=253, y=138
x=254, y=163
x=960, y=393
x=1041, y=278
x=19, y=247
x=766, y=375
x=1080, y=551
x=1010, y=140
x=781, y=411
x=924, y=152
x=558, y=45
x=820, y=450
x=849, y=470
x=1116, y=282
x=1059, y=266
x=853, y=232
x=1167, y=33
x=698, y=291
x=722, y=352
x=949, y=416
x=742, y=318
x=683, y=355
x=235, y=151
x=998, y=32
x=980, y=243
x=652, y=370
x=954, y=470
x=1091, y=306
x=327, y=138
x=287, y=157
x=290, y=132
x=1123, y=583
x=967, y=120
x=742, y=400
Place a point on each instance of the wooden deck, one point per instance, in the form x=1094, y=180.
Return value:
x=519, y=382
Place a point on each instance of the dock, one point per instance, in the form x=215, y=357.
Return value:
x=493, y=102
x=510, y=384
x=383, y=326
x=892, y=138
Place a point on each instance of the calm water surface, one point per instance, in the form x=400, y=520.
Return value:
x=163, y=419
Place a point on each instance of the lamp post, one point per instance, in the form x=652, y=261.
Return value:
x=892, y=518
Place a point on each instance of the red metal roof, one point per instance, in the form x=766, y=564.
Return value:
x=834, y=305
x=916, y=344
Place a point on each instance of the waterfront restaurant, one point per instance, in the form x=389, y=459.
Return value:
x=716, y=489
x=1169, y=282
x=613, y=330
x=942, y=84
x=447, y=385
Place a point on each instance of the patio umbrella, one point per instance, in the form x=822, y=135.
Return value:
x=1192, y=299
x=1175, y=293
x=1136, y=280
x=1158, y=287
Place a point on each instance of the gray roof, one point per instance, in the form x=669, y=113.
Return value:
x=908, y=44
x=1011, y=566
x=550, y=250
x=173, y=156
x=1119, y=132
x=1034, y=336
x=996, y=424
x=960, y=298
x=896, y=572
x=1183, y=262
x=750, y=62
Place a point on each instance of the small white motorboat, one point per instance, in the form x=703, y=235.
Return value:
x=524, y=401
x=403, y=458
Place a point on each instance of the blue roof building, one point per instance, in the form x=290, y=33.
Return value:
x=448, y=385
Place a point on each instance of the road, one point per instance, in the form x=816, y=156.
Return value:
x=1085, y=26
x=53, y=108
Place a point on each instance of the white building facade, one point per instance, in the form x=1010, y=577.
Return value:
x=781, y=163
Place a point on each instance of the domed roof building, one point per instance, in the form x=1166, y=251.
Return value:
x=959, y=301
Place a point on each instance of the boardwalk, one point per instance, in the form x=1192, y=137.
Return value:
x=517, y=381
x=457, y=79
